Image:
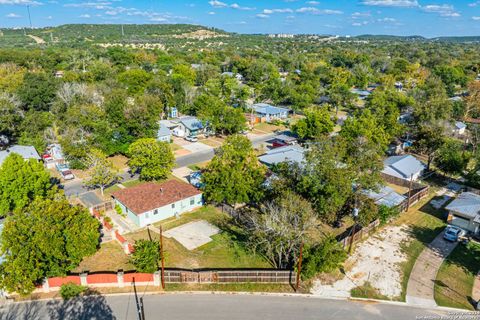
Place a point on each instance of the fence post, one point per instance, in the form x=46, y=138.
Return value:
x=83, y=279
x=46, y=285
x=120, y=281
x=156, y=278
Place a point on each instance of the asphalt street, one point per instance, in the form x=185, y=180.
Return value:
x=215, y=307
x=76, y=187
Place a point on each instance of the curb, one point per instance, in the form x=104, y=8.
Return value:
x=267, y=294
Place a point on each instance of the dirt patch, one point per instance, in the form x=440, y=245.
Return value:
x=375, y=261
x=38, y=40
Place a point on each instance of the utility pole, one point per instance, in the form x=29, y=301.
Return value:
x=299, y=268
x=162, y=276
x=409, y=191
x=29, y=17
x=123, y=32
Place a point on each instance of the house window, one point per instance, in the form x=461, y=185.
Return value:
x=155, y=212
x=192, y=201
x=173, y=205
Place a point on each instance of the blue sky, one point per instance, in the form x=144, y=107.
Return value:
x=343, y=17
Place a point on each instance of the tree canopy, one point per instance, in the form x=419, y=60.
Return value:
x=153, y=159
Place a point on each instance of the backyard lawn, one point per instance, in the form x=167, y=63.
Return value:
x=425, y=224
x=226, y=250
x=110, y=257
x=266, y=128
x=454, y=283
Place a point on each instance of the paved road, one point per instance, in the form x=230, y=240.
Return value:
x=75, y=188
x=213, y=307
x=421, y=284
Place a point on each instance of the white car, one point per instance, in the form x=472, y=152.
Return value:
x=191, y=139
x=67, y=174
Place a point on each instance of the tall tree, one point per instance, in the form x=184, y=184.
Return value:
x=37, y=91
x=153, y=159
x=317, y=122
x=234, y=175
x=102, y=171
x=21, y=182
x=280, y=227
x=46, y=239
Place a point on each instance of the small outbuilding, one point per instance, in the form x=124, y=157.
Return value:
x=164, y=133
x=267, y=113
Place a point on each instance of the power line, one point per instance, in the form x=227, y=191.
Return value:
x=29, y=16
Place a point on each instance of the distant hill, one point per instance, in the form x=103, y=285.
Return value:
x=107, y=33
x=390, y=37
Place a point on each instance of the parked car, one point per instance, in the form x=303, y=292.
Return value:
x=191, y=139
x=195, y=179
x=67, y=174
x=453, y=233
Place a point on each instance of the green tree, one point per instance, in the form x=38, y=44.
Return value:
x=71, y=290
x=153, y=159
x=46, y=239
x=366, y=126
x=21, y=182
x=37, y=91
x=280, y=227
x=451, y=157
x=234, y=175
x=221, y=118
x=146, y=256
x=317, y=122
x=102, y=171
x=429, y=138
x=135, y=80
x=327, y=256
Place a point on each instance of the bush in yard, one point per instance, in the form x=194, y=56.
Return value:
x=385, y=213
x=326, y=256
x=146, y=256
x=71, y=290
x=118, y=209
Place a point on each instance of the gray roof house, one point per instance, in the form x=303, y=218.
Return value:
x=404, y=167
x=385, y=196
x=164, y=133
x=27, y=152
x=460, y=128
x=464, y=212
x=293, y=153
x=269, y=112
x=191, y=126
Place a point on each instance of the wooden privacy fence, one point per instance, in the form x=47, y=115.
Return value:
x=121, y=279
x=230, y=276
x=359, y=234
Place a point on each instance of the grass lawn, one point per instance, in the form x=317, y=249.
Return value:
x=119, y=161
x=267, y=127
x=198, y=166
x=132, y=183
x=175, y=147
x=213, y=142
x=425, y=223
x=454, y=283
x=398, y=189
x=226, y=250
x=230, y=287
x=368, y=292
x=108, y=191
x=110, y=257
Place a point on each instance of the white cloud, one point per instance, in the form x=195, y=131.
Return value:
x=262, y=16
x=360, y=24
x=22, y=2
x=219, y=4
x=358, y=15
x=211, y=13
x=270, y=11
x=13, y=16
x=476, y=18
x=313, y=10
x=474, y=4
x=391, y=3
x=86, y=16
x=387, y=20
x=444, y=10
x=313, y=3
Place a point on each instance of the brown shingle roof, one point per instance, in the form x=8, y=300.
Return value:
x=149, y=196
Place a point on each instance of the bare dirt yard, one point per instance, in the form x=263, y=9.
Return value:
x=375, y=262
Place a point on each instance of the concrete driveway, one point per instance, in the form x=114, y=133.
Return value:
x=420, y=288
x=193, y=234
x=197, y=147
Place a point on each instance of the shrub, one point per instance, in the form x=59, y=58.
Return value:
x=385, y=213
x=146, y=256
x=119, y=210
x=71, y=290
x=327, y=256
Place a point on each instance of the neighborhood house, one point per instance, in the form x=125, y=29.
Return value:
x=267, y=113
x=27, y=152
x=404, y=167
x=152, y=202
x=385, y=196
x=189, y=126
x=163, y=133
x=464, y=212
x=293, y=153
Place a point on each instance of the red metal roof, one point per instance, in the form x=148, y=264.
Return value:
x=148, y=196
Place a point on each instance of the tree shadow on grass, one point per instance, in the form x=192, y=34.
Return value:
x=425, y=234
x=90, y=306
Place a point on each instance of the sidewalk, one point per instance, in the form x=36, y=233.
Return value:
x=421, y=284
